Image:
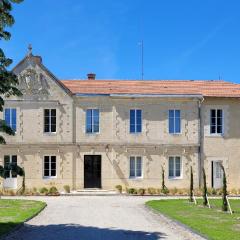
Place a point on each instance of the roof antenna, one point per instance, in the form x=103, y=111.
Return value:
x=29, y=49
x=142, y=62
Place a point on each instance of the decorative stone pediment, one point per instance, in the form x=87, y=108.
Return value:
x=32, y=82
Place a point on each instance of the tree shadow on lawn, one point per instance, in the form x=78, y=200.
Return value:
x=75, y=232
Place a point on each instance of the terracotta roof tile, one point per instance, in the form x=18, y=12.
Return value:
x=211, y=88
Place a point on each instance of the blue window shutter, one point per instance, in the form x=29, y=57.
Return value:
x=14, y=119
x=171, y=121
x=177, y=121
x=132, y=121
x=7, y=116
x=139, y=120
x=95, y=120
x=89, y=121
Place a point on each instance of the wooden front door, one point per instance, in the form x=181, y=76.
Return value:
x=92, y=171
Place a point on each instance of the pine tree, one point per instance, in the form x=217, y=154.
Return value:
x=8, y=80
x=224, y=191
x=191, y=186
x=204, y=193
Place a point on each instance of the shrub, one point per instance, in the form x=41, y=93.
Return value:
x=234, y=191
x=119, y=188
x=141, y=191
x=67, y=188
x=12, y=193
x=151, y=191
x=224, y=191
x=191, y=186
x=204, y=192
x=131, y=191
x=165, y=190
x=53, y=191
x=43, y=190
x=212, y=191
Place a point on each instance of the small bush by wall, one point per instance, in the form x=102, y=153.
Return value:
x=67, y=188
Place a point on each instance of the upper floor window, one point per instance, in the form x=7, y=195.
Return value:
x=216, y=121
x=49, y=166
x=135, y=166
x=8, y=159
x=50, y=120
x=10, y=117
x=135, y=121
x=174, y=167
x=92, y=121
x=174, y=121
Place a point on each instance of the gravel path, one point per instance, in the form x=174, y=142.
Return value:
x=99, y=217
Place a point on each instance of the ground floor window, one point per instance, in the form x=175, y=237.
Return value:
x=174, y=167
x=7, y=160
x=135, y=166
x=49, y=166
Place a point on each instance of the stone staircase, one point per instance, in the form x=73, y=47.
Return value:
x=91, y=192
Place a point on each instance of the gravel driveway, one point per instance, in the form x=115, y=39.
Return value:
x=99, y=217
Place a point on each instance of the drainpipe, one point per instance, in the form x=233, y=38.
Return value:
x=200, y=141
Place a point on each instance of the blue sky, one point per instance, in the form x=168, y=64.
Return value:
x=187, y=39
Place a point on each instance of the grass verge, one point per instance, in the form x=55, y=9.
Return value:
x=212, y=223
x=15, y=212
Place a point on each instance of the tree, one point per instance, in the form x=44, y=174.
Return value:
x=224, y=191
x=164, y=188
x=204, y=193
x=16, y=170
x=8, y=80
x=191, y=186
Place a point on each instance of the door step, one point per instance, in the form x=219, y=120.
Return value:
x=91, y=192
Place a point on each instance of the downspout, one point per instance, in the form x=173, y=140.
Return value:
x=200, y=141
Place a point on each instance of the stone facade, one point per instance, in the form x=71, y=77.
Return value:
x=70, y=144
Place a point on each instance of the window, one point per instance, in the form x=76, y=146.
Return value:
x=174, y=118
x=216, y=121
x=135, y=121
x=7, y=160
x=49, y=166
x=174, y=167
x=10, y=117
x=92, y=121
x=50, y=120
x=135, y=167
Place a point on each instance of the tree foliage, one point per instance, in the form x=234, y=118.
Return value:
x=8, y=80
x=224, y=191
x=204, y=191
x=191, y=186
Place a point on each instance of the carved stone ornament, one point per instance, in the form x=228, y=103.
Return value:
x=33, y=83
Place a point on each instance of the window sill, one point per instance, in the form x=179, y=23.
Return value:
x=46, y=178
x=50, y=133
x=92, y=133
x=135, y=178
x=215, y=135
x=175, y=178
x=175, y=134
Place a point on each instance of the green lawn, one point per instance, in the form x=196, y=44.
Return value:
x=212, y=223
x=14, y=212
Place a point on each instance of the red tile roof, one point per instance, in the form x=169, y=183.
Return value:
x=212, y=88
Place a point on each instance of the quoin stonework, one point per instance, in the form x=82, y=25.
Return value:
x=100, y=133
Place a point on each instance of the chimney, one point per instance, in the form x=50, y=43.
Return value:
x=91, y=76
